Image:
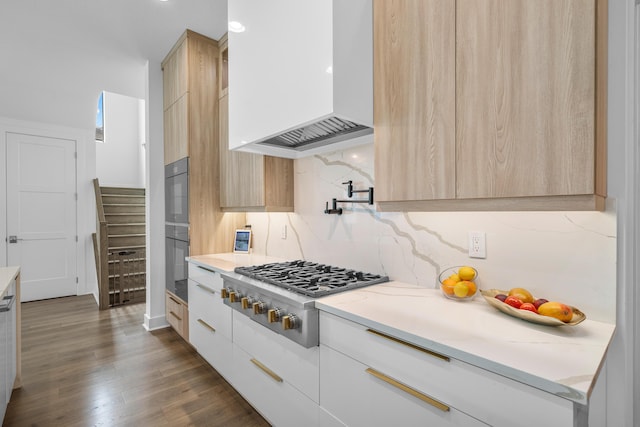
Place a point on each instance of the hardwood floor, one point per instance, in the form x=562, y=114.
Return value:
x=85, y=367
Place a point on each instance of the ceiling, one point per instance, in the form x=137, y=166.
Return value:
x=56, y=56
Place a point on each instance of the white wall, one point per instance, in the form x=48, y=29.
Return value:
x=120, y=158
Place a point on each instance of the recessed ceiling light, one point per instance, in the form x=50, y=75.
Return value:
x=329, y=69
x=236, y=27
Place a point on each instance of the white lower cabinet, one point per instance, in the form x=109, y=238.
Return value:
x=210, y=327
x=360, y=396
x=270, y=392
x=379, y=374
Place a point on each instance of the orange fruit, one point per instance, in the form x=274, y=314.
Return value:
x=447, y=286
x=472, y=287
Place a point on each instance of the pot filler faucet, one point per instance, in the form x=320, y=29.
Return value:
x=334, y=202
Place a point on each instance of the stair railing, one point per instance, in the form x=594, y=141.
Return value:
x=101, y=249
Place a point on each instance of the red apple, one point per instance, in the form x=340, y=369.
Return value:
x=529, y=306
x=513, y=301
x=501, y=297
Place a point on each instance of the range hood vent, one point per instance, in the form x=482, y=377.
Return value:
x=327, y=131
x=300, y=76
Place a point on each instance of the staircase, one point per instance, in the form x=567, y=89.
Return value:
x=119, y=244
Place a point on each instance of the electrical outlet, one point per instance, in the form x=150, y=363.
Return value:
x=477, y=244
x=283, y=232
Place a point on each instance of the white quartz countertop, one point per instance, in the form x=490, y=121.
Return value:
x=227, y=262
x=562, y=360
x=7, y=274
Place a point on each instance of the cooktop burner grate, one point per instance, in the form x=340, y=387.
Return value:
x=310, y=278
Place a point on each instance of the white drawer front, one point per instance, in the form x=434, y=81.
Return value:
x=205, y=276
x=358, y=398
x=470, y=389
x=206, y=303
x=296, y=364
x=213, y=346
x=280, y=403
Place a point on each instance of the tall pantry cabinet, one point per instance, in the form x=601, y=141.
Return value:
x=498, y=105
x=191, y=129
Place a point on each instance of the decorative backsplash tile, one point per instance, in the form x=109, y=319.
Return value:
x=565, y=256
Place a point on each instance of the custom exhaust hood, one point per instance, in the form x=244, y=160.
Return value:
x=300, y=76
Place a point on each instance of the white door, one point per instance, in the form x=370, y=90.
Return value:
x=41, y=214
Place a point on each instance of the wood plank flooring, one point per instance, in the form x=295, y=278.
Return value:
x=85, y=367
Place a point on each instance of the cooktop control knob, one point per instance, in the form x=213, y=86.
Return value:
x=274, y=314
x=259, y=307
x=235, y=296
x=247, y=302
x=224, y=293
x=290, y=321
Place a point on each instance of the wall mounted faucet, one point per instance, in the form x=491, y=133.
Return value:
x=334, y=202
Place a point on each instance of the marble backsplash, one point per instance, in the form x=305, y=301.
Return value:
x=564, y=256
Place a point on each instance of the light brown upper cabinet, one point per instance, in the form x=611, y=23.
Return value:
x=414, y=100
x=190, y=95
x=529, y=98
x=250, y=182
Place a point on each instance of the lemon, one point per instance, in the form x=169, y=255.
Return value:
x=455, y=277
x=466, y=273
x=461, y=289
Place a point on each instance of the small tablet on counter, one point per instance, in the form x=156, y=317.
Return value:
x=242, y=242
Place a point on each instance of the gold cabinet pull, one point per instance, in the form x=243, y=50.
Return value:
x=175, y=315
x=206, y=325
x=415, y=393
x=408, y=344
x=206, y=269
x=206, y=289
x=267, y=370
x=174, y=300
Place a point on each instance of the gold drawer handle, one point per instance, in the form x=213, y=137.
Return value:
x=206, y=269
x=175, y=300
x=206, y=288
x=408, y=344
x=267, y=370
x=415, y=393
x=175, y=315
x=206, y=325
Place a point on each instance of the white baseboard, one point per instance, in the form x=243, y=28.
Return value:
x=153, y=323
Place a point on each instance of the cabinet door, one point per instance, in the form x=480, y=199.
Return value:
x=414, y=99
x=241, y=174
x=174, y=69
x=176, y=130
x=525, y=92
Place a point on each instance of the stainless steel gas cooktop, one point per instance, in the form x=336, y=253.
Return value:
x=310, y=278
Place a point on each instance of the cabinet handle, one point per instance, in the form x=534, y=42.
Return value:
x=206, y=325
x=206, y=288
x=267, y=370
x=175, y=315
x=415, y=393
x=175, y=300
x=408, y=344
x=206, y=269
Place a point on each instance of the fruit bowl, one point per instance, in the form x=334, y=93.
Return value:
x=490, y=296
x=459, y=283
